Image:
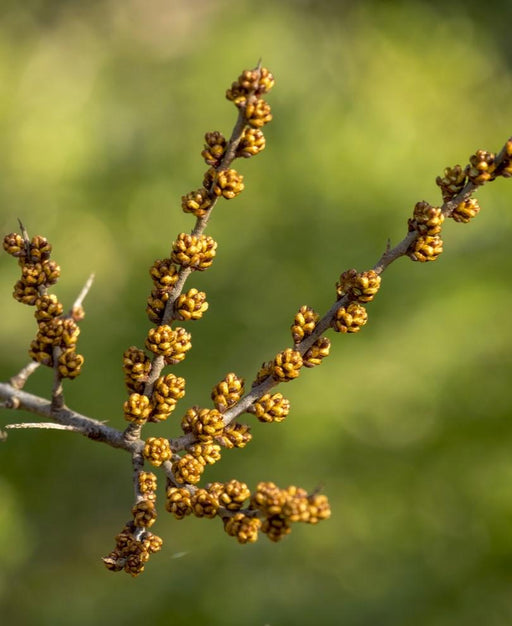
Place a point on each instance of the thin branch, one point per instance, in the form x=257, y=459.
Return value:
x=84, y=291
x=57, y=388
x=24, y=234
x=18, y=381
x=138, y=466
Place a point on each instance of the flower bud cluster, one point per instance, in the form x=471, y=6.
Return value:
x=359, y=287
x=286, y=365
x=350, y=319
x=136, y=367
x=426, y=248
x=137, y=409
x=251, y=143
x=205, y=503
x=227, y=183
x=234, y=435
x=270, y=408
x=452, y=182
x=318, y=351
x=246, y=94
x=178, y=501
x=157, y=450
x=466, y=210
x=133, y=549
x=426, y=221
x=244, y=527
x=481, y=168
x=214, y=148
x=135, y=544
x=206, y=452
x=228, y=392
x=191, y=305
x=304, y=323
x=146, y=483
x=282, y=507
x=197, y=202
x=255, y=82
x=188, y=469
x=167, y=391
x=172, y=344
x=194, y=251
x=204, y=424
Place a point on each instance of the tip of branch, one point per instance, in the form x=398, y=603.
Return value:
x=84, y=291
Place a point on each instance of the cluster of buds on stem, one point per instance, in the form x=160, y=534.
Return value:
x=57, y=332
x=457, y=186
x=135, y=543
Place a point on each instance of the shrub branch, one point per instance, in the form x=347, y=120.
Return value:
x=152, y=394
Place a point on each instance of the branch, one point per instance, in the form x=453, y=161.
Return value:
x=86, y=426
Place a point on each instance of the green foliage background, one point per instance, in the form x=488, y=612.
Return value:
x=407, y=426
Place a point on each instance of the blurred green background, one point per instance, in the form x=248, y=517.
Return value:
x=407, y=426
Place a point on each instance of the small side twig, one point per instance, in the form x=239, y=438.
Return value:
x=18, y=381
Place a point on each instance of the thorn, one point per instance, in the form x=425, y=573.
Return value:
x=25, y=236
x=84, y=291
x=317, y=489
x=23, y=230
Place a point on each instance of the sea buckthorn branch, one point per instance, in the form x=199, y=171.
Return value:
x=153, y=396
x=195, y=251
